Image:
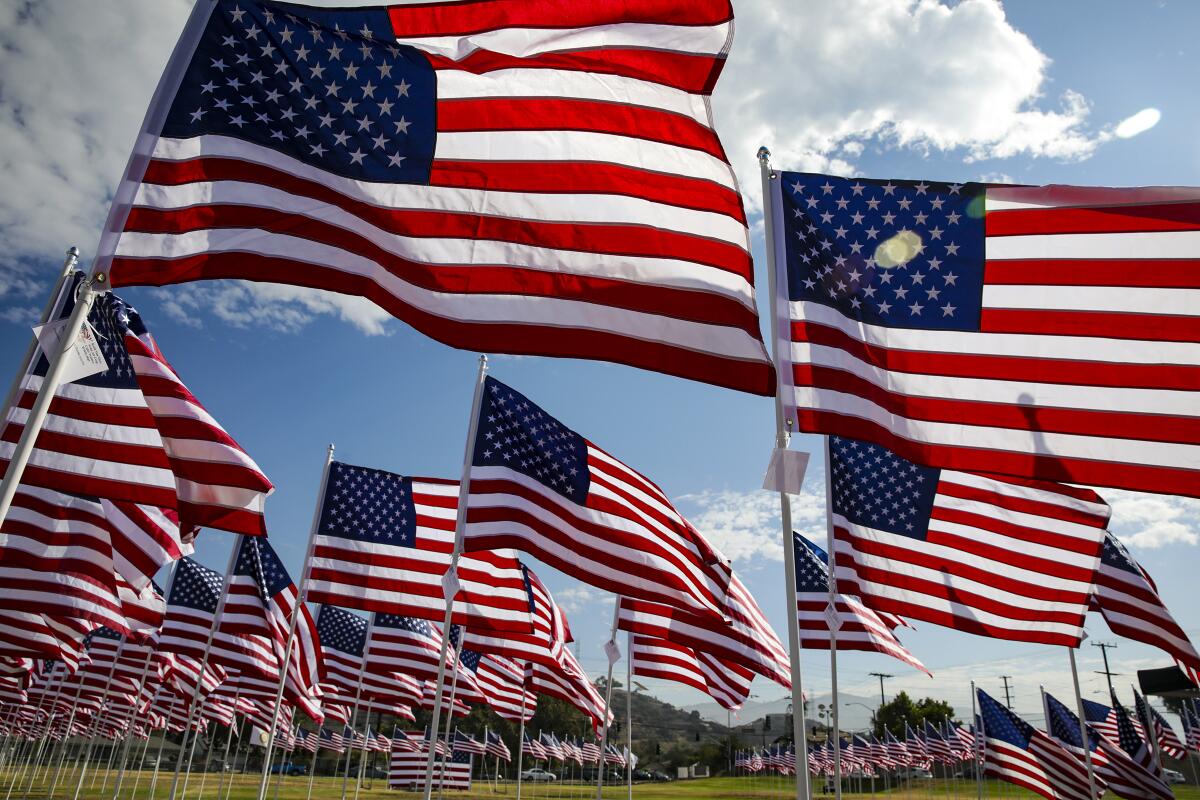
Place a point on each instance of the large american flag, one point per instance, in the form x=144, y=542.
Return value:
x=384, y=541
x=1044, y=332
x=727, y=682
x=135, y=433
x=1128, y=599
x=1110, y=764
x=495, y=746
x=544, y=642
x=260, y=585
x=412, y=646
x=525, y=179
x=568, y=682
x=538, y=486
x=859, y=628
x=1016, y=752
x=994, y=556
x=343, y=638
x=501, y=684
x=408, y=770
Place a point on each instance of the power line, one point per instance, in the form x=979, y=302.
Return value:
x=1104, y=648
x=881, y=676
x=1007, y=695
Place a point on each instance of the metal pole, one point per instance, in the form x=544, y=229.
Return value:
x=357, y=698
x=302, y=597
x=782, y=438
x=212, y=632
x=834, y=623
x=521, y=738
x=312, y=770
x=129, y=733
x=1084, y=739
x=1151, y=730
x=187, y=775
x=610, y=649
x=161, y=745
x=629, y=707
x=362, y=756
x=450, y=714
x=141, y=762
x=236, y=750
x=460, y=523
x=99, y=715
x=228, y=740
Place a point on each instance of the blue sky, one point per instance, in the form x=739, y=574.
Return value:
x=1028, y=92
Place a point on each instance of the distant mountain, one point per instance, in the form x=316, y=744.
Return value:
x=852, y=716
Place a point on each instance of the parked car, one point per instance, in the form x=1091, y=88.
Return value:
x=376, y=772
x=1171, y=776
x=642, y=775
x=538, y=775
x=919, y=773
x=289, y=769
x=661, y=776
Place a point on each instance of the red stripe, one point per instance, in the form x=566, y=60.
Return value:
x=1025, y=505
x=689, y=72
x=100, y=411
x=1178, y=273
x=1116, y=425
x=596, y=116
x=601, y=239
x=92, y=485
x=476, y=16
x=1012, y=368
x=1102, y=324
x=1101, y=219
x=756, y=377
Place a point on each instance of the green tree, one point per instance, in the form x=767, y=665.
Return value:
x=901, y=709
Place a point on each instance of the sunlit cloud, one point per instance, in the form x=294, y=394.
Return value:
x=1140, y=122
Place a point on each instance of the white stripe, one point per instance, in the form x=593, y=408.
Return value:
x=1060, y=445
x=1076, y=348
x=1099, y=510
x=124, y=473
x=718, y=340
x=1103, y=246
x=999, y=391
x=1048, y=552
x=692, y=40
x=1013, y=198
x=518, y=82
x=1113, y=299
x=100, y=431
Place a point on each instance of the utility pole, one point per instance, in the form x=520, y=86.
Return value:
x=1007, y=696
x=881, y=676
x=1108, y=674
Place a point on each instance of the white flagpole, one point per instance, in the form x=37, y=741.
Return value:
x=978, y=747
x=613, y=652
x=162, y=743
x=521, y=737
x=782, y=438
x=228, y=741
x=450, y=713
x=834, y=623
x=450, y=580
x=312, y=770
x=1083, y=731
x=99, y=715
x=193, y=707
x=301, y=598
x=362, y=671
x=129, y=733
x=1150, y=728
x=629, y=708
x=362, y=756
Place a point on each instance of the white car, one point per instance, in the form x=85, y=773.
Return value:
x=537, y=775
x=1171, y=776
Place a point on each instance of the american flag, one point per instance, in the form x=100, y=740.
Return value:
x=859, y=628
x=501, y=684
x=1191, y=725
x=917, y=748
x=897, y=753
x=570, y=683
x=307, y=740
x=538, y=486
x=727, y=682
x=384, y=542
x=343, y=637
x=993, y=556
x=261, y=587
x=495, y=746
x=1111, y=765
x=542, y=180
x=412, y=647
x=940, y=748
x=1133, y=739
x=1041, y=332
x=29, y=634
x=613, y=755
x=1102, y=718
x=1017, y=752
x=544, y=642
x=408, y=770
x=135, y=433
x=590, y=751
x=745, y=638
x=143, y=609
x=534, y=748
x=1168, y=742
x=466, y=743
x=551, y=745
x=1129, y=602
x=332, y=740
x=144, y=539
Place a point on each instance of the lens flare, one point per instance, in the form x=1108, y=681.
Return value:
x=897, y=250
x=1140, y=122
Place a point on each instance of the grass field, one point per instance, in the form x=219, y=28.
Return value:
x=245, y=787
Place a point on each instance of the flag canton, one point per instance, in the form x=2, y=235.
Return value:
x=110, y=318
x=1127, y=735
x=368, y=505
x=470, y=659
x=517, y=434
x=196, y=587
x=906, y=254
x=341, y=630
x=1116, y=556
x=328, y=87
x=1002, y=724
x=812, y=575
x=1064, y=725
x=103, y=632
x=874, y=487
x=257, y=560
x=411, y=624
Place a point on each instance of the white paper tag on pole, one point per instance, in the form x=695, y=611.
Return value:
x=613, y=651
x=84, y=358
x=786, y=471
x=450, y=583
x=833, y=617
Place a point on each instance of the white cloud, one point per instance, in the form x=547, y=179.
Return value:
x=817, y=81
x=745, y=525
x=578, y=597
x=286, y=309
x=1153, y=520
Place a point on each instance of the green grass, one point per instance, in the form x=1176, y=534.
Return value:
x=245, y=787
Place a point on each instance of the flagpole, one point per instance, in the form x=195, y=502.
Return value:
x=834, y=620
x=978, y=747
x=237, y=692
x=212, y=632
x=312, y=770
x=129, y=735
x=1084, y=739
x=450, y=714
x=162, y=743
x=629, y=707
x=362, y=756
x=362, y=671
x=450, y=580
x=99, y=714
x=613, y=652
x=1150, y=728
x=301, y=599
x=521, y=735
x=782, y=438
x=241, y=737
